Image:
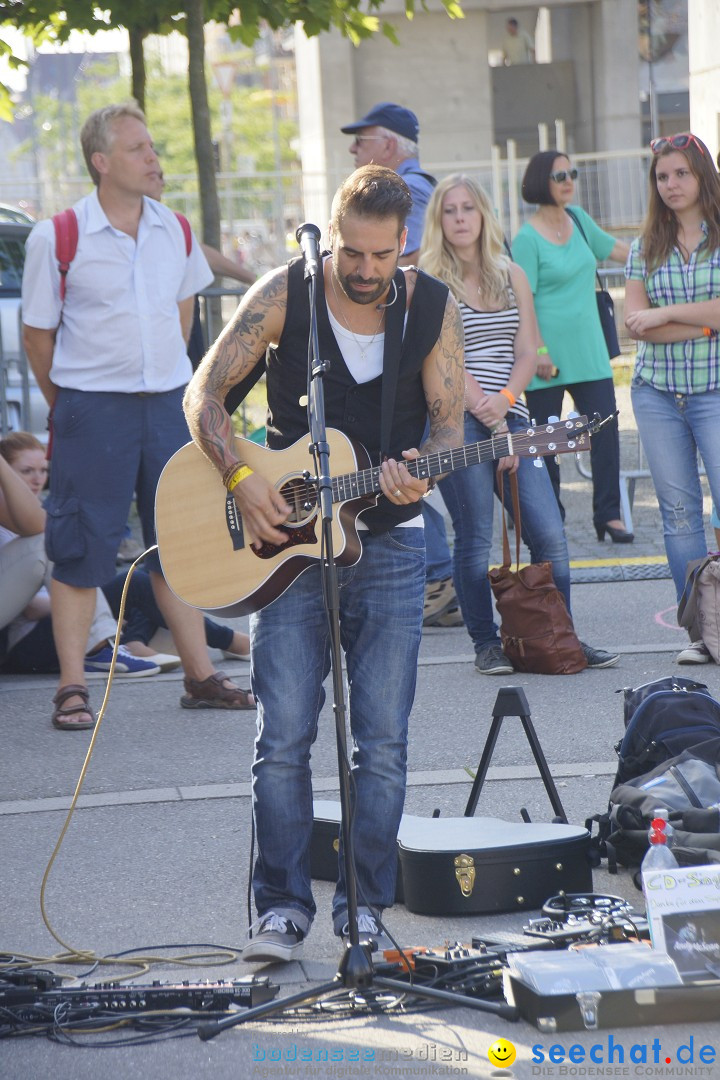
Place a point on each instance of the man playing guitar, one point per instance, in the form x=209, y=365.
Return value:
x=395, y=345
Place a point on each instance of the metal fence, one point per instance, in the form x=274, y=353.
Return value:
x=260, y=211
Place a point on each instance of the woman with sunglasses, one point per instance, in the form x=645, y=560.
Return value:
x=559, y=248
x=672, y=308
x=463, y=246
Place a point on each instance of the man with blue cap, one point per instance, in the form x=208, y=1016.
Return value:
x=388, y=135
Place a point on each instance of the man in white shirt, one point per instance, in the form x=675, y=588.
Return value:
x=111, y=360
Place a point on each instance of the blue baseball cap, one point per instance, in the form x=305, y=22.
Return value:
x=388, y=115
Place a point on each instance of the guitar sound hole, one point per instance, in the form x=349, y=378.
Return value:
x=301, y=496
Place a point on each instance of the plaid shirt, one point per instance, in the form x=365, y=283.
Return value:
x=683, y=367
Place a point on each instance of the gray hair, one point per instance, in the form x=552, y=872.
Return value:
x=405, y=146
x=97, y=132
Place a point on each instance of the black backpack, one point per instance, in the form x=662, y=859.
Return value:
x=688, y=787
x=663, y=718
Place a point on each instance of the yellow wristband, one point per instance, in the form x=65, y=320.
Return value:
x=543, y=350
x=241, y=473
x=509, y=395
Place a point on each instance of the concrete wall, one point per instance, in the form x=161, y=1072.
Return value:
x=531, y=94
x=703, y=38
x=440, y=70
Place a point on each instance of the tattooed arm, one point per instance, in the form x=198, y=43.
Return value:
x=257, y=324
x=443, y=376
x=444, y=382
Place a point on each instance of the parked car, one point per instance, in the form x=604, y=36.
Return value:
x=22, y=406
x=15, y=213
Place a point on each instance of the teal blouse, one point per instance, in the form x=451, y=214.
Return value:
x=562, y=279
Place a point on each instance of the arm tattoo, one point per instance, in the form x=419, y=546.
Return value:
x=446, y=405
x=257, y=324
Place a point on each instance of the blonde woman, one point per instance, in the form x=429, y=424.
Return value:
x=463, y=246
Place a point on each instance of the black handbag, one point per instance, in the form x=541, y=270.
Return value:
x=605, y=305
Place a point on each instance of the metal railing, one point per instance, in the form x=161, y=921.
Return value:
x=260, y=210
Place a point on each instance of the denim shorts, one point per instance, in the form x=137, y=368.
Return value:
x=106, y=447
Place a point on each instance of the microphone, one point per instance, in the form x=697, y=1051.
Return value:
x=308, y=237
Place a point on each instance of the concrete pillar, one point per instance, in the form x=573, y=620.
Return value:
x=703, y=36
x=439, y=70
x=615, y=70
x=601, y=40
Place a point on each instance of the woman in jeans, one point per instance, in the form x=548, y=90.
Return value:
x=672, y=308
x=463, y=246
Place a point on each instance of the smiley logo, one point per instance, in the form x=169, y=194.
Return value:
x=501, y=1053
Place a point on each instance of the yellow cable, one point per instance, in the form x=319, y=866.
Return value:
x=141, y=964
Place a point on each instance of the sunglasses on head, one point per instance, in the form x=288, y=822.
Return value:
x=676, y=142
x=563, y=174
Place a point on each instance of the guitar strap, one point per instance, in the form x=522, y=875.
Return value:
x=392, y=352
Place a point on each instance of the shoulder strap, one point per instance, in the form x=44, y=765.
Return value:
x=582, y=233
x=187, y=231
x=66, y=242
x=394, y=328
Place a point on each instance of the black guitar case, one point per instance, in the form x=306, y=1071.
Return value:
x=470, y=865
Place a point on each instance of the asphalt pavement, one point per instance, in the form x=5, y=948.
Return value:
x=155, y=858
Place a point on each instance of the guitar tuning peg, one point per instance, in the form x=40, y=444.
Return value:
x=553, y=419
x=538, y=462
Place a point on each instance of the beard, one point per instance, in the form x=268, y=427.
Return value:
x=348, y=283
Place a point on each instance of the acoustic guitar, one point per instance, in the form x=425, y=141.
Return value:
x=207, y=556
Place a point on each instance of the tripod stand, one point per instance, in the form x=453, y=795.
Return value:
x=355, y=971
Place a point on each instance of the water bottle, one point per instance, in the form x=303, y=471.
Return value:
x=658, y=855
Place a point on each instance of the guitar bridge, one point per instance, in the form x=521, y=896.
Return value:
x=233, y=520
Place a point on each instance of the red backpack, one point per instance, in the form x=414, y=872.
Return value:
x=66, y=241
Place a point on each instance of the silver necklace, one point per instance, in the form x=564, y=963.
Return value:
x=362, y=349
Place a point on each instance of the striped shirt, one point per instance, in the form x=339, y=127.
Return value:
x=682, y=367
x=490, y=348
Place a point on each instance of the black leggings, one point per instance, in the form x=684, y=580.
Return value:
x=589, y=398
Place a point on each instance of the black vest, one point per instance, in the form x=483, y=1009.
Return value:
x=353, y=408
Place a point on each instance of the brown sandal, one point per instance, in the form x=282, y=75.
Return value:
x=75, y=717
x=210, y=693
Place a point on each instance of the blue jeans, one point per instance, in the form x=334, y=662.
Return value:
x=468, y=495
x=381, y=604
x=438, y=558
x=673, y=428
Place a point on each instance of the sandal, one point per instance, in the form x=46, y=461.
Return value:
x=75, y=717
x=211, y=693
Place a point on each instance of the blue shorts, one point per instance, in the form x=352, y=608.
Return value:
x=106, y=446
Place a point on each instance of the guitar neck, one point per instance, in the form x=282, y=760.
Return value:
x=367, y=482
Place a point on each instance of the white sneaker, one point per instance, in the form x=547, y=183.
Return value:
x=697, y=653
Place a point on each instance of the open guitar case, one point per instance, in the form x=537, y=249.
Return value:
x=476, y=865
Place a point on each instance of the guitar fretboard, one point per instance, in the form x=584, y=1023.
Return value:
x=367, y=481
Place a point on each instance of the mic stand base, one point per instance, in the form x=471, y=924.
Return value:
x=355, y=972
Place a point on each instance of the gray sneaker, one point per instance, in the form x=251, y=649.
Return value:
x=491, y=660
x=368, y=931
x=696, y=653
x=273, y=937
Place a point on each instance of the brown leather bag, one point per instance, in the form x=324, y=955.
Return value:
x=536, y=630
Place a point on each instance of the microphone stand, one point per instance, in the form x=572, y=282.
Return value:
x=355, y=971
